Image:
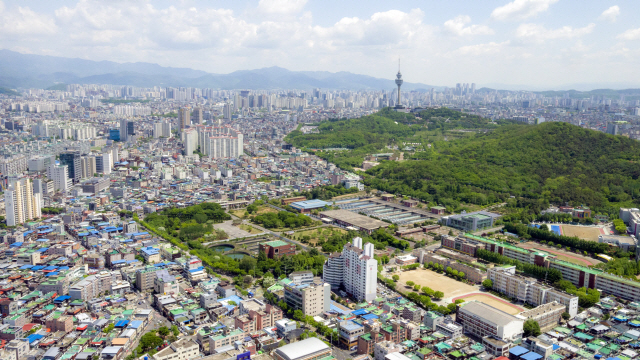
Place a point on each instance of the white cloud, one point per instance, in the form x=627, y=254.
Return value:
x=611, y=14
x=24, y=22
x=538, y=33
x=281, y=6
x=483, y=49
x=521, y=9
x=457, y=27
x=387, y=28
x=631, y=34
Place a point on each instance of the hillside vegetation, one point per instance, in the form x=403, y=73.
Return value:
x=373, y=133
x=9, y=92
x=552, y=162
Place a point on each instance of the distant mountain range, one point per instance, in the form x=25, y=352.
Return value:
x=19, y=70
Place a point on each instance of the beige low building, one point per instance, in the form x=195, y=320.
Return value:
x=470, y=273
x=547, y=315
x=180, y=350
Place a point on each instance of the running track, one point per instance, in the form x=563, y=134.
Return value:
x=491, y=296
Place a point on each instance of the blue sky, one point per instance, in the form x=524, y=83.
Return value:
x=527, y=44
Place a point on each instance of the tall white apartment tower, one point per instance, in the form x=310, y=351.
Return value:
x=21, y=203
x=358, y=269
x=60, y=177
x=190, y=141
x=166, y=129
x=107, y=162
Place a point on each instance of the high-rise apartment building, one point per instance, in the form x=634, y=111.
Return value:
x=123, y=130
x=162, y=129
x=72, y=160
x=355, y=269
x=60, y=177
x=104, y=163
x=190, y=140
x=223, y=142
x=196, y=116
x=184, y=118
x=226, y=111
x=21, y=203
x=88, y=164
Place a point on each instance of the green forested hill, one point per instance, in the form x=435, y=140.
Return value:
x=370, y=134
x=551, y=162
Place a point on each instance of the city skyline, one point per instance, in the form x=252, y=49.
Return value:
x=522, y=44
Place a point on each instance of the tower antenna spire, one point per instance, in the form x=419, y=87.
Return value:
x=398, y=64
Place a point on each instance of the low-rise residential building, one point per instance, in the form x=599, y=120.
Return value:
x=183, y=349
x=547, y=315
x=307, y=349
x=313, y=299
x=528, y=290
x=349, y=333
x=228, y=337
x=383, y=348
x=145, y=278
x=482, y=320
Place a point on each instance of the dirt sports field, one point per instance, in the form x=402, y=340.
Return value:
x=437, y=282
x=493, y=301
x=583, y=232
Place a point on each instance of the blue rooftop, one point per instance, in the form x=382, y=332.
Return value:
x=531, y=356
x=309, y=204
x=369, y=317
x=34, y=337
x=350, y=325
x=150, y=250
x=360, y=312
x=135, y=324
x=518, y=350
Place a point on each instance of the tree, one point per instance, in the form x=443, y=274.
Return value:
x=175, y=330
x=164, y=331
x=395, y=278
x=488, y=284
x=410, y=283
x=531, y=328
x=438, y=295
x=416, y=287
x=566, y=315
x=108, y=328
x=461, y=275
x=298, y=315
x=150, y=341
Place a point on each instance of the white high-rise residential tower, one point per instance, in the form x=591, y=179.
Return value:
x=60, y=177
x=355, y=269
x=21, y=203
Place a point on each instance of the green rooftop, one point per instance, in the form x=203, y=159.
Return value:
x=275, y=243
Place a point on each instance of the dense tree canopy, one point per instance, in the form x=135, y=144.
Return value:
x=550, y=162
